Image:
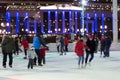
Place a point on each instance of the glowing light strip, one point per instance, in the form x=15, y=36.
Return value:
x=35, y=26
x=88, y=15
x=60, y=7
x=63, y=21
x=76, y=24
x=49, y=22
x=8, y=22
x=17, y=22
x=103, y=24
x=56, y=21
x=70, y=21
x=96, y=23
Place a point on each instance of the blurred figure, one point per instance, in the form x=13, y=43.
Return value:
x=16, y=46
x=43, y=54
x=25, y=45
x=108, y=42
x=102, y=45
x=66, y=43
x=37, y=42
x=91, y=44
x=8, y=47
x=31, y=56
x=79, y=50
x=58, y=43
x=62, y=45
x=96, y=44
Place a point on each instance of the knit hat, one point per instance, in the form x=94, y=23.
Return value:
x=91, y=36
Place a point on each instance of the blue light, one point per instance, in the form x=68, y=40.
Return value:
x=76, y=24
x=93, y=28
x=26, y=22
x=35, y=26
x=17, y=22
x=8, y=21
x=81, y=22
x=103, y=24
x=70, y=21
x=63, y=21
x=49, y=22
x=96, y=23
x=56, y=21
x=88, y=15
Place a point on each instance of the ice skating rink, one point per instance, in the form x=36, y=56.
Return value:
x=63, y=68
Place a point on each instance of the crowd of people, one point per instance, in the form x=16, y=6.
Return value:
x=36, y=54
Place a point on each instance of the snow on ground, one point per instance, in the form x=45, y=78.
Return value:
x=63, y=68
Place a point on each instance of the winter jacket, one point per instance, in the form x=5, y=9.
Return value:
x=25, y=44
x=108, y=42
x=91, y=45
x=8, y=45
x=36, y=43
x=79, y=48
x=66, y=41
x=62, y=41
x=31, y=54
x=42, y=51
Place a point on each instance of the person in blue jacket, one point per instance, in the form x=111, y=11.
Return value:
x=37, y=42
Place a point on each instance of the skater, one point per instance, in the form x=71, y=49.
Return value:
x=79, y=50
x=31, y=56
x=91, y=44
x=108, y=42
x=43, y=54
x=102, y=45
x=62, y=45
x=16, y=46
x=37, y=42
x=66, y=44
x=8, y=46
x=58, y=43
x=25, y=46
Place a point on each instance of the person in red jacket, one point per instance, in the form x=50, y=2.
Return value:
x=42, y=55
x=79, y=50
x=25, y=45
x=66, y=44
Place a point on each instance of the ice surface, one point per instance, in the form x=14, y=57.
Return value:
x=63, y=68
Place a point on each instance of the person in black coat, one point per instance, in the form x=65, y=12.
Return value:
x=8, y=47
x=91, y=44
x=108, y=42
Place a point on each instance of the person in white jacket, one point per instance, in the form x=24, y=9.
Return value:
x=31, y=56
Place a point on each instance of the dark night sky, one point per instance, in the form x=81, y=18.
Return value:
x=43, y=0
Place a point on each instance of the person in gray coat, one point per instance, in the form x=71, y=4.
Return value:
x=31, y=56
x=8, y=47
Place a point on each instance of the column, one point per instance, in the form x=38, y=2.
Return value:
x=63, y=21
x=17, y=22
x=70, y=21
x=95, y=23
x=88, y=15
x=26, y=23
x=83, y=29
x=103, y=23
x=56, y=21
x=80, y=22
x=93, y=28
x=115, y=22
x=35, y=26
x=8, y=22
x=49, y=22
x=76, y=23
